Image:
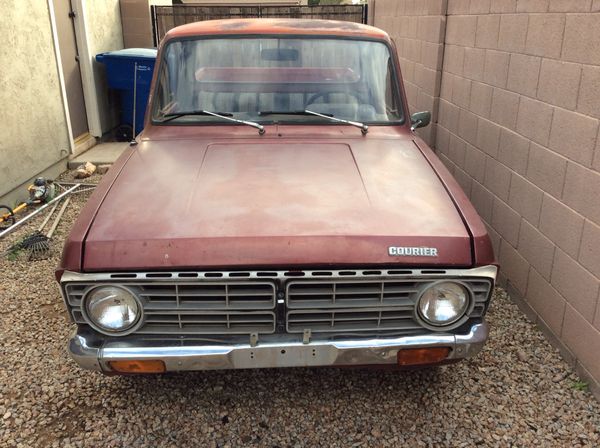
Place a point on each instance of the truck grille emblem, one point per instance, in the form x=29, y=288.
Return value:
x=412, y=251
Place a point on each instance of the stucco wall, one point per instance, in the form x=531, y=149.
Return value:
x=104, y=33
x=518, y=124
x=33, y=129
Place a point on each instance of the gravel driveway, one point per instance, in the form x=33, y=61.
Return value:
x=517, y=392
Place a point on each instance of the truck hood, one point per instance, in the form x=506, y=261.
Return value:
x=190, y=204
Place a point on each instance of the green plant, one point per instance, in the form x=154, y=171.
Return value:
x=579, y=385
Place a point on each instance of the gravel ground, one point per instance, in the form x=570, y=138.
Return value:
x=517, y=392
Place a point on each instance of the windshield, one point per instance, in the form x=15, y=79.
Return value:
x=274, y=79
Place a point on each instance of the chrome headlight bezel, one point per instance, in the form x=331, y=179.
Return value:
x=460, y=318
x=107, y=331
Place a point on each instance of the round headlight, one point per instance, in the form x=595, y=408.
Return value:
x=443, y=303
x=112, y=309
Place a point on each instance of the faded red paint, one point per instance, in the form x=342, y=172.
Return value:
x=215, y=196
x=276, y=26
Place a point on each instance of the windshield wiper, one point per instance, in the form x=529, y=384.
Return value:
x=224, y=115
x=363, y=127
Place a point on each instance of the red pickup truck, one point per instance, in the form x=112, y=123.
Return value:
x=278, y=210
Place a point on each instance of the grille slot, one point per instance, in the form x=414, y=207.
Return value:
x=201, y=307
x=367, y=304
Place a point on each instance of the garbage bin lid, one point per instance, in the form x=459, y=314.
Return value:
x=130, y=53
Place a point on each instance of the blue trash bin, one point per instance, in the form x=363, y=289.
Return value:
x=120, y=68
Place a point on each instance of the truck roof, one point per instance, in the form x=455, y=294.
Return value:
x=277, y=26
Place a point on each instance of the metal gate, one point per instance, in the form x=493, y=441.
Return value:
x=166, y=17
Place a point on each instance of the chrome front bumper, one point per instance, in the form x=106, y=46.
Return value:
x=94, y=354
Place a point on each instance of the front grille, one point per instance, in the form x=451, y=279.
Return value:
x=196, y=308
x=363, y=305
x=367, y=302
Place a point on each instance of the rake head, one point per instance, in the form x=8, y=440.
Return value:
x=37, y=245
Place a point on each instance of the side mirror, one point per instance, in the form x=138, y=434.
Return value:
x=420, y=120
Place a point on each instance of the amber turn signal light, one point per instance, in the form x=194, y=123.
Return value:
x=419, y=356
x=146, y=366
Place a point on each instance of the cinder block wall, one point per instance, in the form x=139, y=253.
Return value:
x=517, y=124
x=417, y=28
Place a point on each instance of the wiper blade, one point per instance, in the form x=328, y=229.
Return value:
x=224, y=115
x=263, y=113
x=363, y=127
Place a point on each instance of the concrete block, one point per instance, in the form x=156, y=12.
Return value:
x=429, y=103
x=475, y=163
x=536, y=249
x=474, y=63
x=428, y=79
x=487, y=31
x=582, y=39
x=483, y=201
x=480, y=7
x=559, y=83
x=526, y=199
x=597, y=318
x=446, y=86
x=574, y=136
x=458, y=6
x=513, y=32
x=546, y=169
x=435, y=7
x=507, y=222
x=582, y=190
x=561, y=224
x=514, y=267
x=449, y=116
x=450, y=166
x=133, y=40
x=481, y=99
x=570, y=6
x=461, y=30
x=488, y=137
x=496, y=68
x=576, y=284
x=583, y=339
x=588, y=102
x=532, y=5
x=534, y=120
x=431, y=55
x=464, y=180
x=431, y=28
x=497, y=178
x=454, y=58
x=494, y=237
x=411, y=90
x=503, y=6
x=442, y=140
x=544, y=37
x=513, y=151
x=523, y=74
x=467, y=126
x=589, y=255
x=456, y=150
x=461, y=92
x=505, y=108
x=546, y=301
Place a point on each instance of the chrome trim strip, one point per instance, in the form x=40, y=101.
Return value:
x=489, y=271
x=95, y=355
